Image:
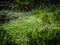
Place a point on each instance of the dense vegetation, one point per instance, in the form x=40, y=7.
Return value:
x=40, y=26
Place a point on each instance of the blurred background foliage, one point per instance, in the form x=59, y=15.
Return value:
x=28, y=4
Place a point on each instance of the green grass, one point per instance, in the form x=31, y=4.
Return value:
x=37, y=27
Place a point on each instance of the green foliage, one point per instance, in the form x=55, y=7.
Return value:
x=37, y=27
x=22, y=4
x=44, y=37
x=57, y=17
x=28, y=4
x=5, y=37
